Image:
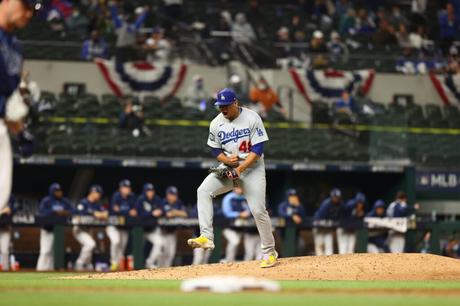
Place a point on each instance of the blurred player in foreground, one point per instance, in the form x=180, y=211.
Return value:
x=14, y=15
x=5, y=233
x=236, y=136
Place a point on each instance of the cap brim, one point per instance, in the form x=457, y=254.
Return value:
x=34, y=6
x=222, y=103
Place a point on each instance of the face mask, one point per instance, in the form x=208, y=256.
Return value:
x=262, y=86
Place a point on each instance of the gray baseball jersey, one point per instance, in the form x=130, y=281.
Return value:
x=238, y=136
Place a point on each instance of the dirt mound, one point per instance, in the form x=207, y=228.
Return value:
x=335, y=267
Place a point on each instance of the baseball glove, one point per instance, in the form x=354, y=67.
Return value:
x=225, y=172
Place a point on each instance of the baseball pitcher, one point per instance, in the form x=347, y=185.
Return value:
x=236, y=136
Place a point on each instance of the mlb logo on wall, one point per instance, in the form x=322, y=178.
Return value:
x=438, y=181
x=142, y=77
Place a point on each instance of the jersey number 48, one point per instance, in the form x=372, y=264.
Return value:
x=245, y=146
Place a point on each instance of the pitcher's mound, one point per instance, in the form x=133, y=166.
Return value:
x=335, y=267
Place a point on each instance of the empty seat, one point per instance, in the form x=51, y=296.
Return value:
x=451, y=112
x=395, y=108
x=320, y=112
x=109, y=99
x=433, y=112
x=150, y=101
x=439, y=123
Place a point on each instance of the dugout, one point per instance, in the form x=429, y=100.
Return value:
x=313, y=182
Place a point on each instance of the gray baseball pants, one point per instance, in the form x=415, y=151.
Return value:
x=254, y=184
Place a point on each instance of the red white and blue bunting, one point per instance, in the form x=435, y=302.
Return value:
x=327, y=85
x=142, y=78
x=447, y=86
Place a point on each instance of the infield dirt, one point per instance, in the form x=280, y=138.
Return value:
x=335, y=267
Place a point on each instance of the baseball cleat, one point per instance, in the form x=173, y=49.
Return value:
x=201, y=242
x=114, y=267
x=269, y=260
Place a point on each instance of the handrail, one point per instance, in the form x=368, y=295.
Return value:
x=279, y=125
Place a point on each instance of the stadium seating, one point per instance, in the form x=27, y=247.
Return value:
x=70, y=129
x=42, y=42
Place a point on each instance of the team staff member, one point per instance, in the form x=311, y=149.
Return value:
x=235, y=206
x=173, y=208
x=377, y=238
x=398, y=209
x=14, y=14
x=346, y=237
x=122, y=204
x=331, y=209
x=89, y=206
x=52, y=205
x=236, y=136
x=5, y=232
x=150, y=205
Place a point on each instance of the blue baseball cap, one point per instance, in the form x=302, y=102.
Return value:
x=96, y=188
x=149, y=187
x=291, y=192
x=379, y=203
x=54, y=187
x=360, y=197
x=336, y=193
x=225, y=97
x=172, y=190
x=158, y=29
x=125, y=183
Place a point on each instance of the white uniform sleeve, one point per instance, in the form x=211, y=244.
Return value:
x=258, y=132
x=213, y=139
x=16, y=109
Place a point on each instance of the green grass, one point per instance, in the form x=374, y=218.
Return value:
x=30, y=289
